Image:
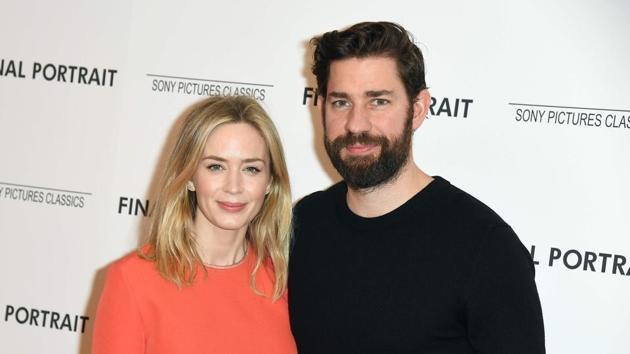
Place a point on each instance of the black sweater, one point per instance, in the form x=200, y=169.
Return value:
x=440, y=274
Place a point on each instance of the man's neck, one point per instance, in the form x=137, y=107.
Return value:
x=380, y=200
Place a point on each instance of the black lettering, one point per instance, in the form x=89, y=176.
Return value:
x=579, y=259
x=467, y=101
x=8, y=311
x=142, y=207
x=445, y=107
x=45, y=315
x=20, y=73
x=111, y=77
x=82, y=74
x=66, y=322
x=94, y=77
x=619, y=261
x=309, y=92
x=72, y=69
x=589, y=258
x=84, y=319
x=553, y=255
x=17, y=315
x=433, y=102
x=122, y=203
x=11, y=68
x=34, y=315
x=37, y=67
x=605, y=257
x=532, y=252
x=61, y=75
x=54, y=319
x=50, y=74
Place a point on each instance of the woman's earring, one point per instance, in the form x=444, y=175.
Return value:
x=190, y=186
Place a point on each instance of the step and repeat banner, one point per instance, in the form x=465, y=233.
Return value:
x=530, y=113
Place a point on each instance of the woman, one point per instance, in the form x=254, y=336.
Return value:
x=213, y=275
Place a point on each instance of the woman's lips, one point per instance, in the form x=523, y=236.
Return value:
x=231, y=207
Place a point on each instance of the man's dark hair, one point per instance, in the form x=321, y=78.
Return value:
x=367, y=39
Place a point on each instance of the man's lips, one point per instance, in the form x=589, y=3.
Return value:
x=231, y=207
x=359, y=149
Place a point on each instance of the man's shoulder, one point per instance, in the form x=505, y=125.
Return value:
x=317, y=200
x=464, y=206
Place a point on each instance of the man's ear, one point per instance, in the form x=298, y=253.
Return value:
x=421, y=105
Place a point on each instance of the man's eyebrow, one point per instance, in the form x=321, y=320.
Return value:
x=336, y=94
x=379, y=93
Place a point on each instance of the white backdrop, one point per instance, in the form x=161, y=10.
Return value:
x=541, y=134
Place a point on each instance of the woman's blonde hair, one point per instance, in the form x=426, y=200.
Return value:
x=172, y=245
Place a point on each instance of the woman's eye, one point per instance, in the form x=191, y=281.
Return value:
x=252, y=170
x=215, y=167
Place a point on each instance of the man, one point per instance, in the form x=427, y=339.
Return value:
x=392, y=260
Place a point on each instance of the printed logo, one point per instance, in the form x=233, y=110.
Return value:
x=440, y=107
x=43, y=195
x=45, y=318
x=133, y=206
x=539, y=114
x=587, y=261
x=61, y=73
x=207, y=87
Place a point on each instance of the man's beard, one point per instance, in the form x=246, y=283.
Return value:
x=363, y=172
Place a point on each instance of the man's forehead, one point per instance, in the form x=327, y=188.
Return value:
x=370, y=76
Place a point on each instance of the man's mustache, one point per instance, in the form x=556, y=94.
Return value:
x=362, y=138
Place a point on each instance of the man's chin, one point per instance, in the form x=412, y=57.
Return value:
x=359, y=163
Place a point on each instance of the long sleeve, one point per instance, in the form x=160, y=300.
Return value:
x=118, y=326
x=503, y=308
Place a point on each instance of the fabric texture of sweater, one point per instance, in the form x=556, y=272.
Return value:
x=442, y=273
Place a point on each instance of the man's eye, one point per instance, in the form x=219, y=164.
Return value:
x=340, y=103
x=215, y=167
x=380, y=102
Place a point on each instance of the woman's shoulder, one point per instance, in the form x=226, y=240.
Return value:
x=133, y=265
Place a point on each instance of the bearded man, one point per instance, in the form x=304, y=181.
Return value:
x=392, y=260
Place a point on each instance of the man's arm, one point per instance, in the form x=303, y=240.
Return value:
x=502, y=304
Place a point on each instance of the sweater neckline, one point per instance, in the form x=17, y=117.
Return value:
x=395, y=218
x=245, y=263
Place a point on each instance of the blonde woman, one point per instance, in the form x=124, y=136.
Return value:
x=212, y=278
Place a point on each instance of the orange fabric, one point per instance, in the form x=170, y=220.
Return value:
x=141, y=312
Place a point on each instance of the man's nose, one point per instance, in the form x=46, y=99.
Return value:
x=358, y=120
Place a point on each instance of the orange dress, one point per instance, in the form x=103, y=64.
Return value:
x=141, y=312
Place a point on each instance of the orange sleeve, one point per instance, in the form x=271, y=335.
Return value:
x=118, y=326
